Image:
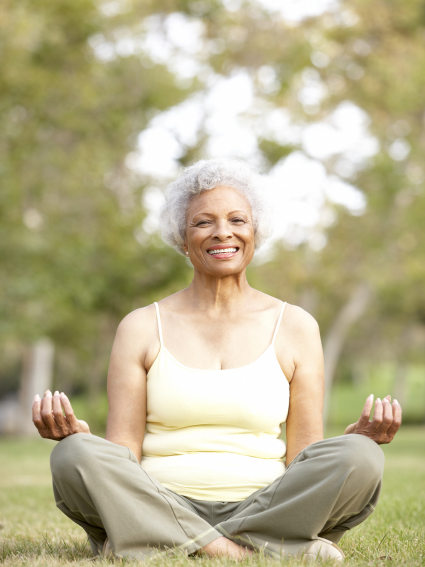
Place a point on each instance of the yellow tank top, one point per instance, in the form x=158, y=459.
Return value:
x=214, y=434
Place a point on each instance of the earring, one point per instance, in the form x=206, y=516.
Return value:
x=187, y=253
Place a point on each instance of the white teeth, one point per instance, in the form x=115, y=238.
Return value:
x=222, y=251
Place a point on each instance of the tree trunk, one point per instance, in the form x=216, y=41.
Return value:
x=36, y=379
x=337, y=334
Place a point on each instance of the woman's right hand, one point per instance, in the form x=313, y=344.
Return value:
x=48, y=417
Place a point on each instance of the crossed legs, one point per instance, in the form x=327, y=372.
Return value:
x=330, y=487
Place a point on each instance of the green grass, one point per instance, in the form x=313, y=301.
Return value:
x=35, y=533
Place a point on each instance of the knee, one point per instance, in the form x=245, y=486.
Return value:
x=362, y=456
x=69, y=454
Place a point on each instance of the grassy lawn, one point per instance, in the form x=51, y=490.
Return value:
x=34, y=532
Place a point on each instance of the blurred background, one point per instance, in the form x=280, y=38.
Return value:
x=102, y=102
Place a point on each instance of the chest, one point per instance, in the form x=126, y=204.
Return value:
x=212, y=345
x=252, y=398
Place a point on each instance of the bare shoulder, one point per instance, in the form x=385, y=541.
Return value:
x=139, y=322
x=298, y=340
x=137, y=334
x=299, y=322
x=300, y=332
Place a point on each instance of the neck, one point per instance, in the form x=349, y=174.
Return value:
x=218, y=294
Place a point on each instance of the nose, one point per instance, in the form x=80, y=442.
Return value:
x=222, y=230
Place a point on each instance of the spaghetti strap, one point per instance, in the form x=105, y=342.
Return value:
x=278, y=322
x=159, y=324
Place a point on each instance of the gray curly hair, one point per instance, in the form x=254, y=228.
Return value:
x=205, y=175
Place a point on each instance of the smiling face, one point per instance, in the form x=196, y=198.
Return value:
x=219, y=232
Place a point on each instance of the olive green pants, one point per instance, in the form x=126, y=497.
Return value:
x=330, y=487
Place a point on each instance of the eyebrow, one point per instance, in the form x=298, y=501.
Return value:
x=211, y=215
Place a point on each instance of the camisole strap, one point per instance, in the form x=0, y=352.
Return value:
x=159, y=324
x=278, y=322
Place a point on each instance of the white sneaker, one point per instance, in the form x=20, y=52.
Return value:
x=107, y=552
x=323, y=549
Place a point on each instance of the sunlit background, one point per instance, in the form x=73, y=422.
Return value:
x=103, y=103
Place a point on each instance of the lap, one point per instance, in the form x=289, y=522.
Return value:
x=316, y=462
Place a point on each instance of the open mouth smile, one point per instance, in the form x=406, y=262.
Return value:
x=223, y=251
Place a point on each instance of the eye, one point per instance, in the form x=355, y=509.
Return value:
x=238, y=220
x=201, y=223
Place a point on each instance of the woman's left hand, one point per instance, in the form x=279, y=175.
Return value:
x=385, y=423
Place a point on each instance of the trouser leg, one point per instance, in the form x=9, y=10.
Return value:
x=330, y=487
x=102, y=487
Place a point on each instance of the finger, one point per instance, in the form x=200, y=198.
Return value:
x=387, y=418
x=397, y=412
x=367, y=408
x=377, y=415
x=69, y=412
x=36, y=413
x=46, y=410
x=57, y=411
x=387, y=398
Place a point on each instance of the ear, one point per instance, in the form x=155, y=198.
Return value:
x=185, y=249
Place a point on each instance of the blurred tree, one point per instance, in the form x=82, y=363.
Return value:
x=69, y=206
x=380, y=61
x=76, y=93
x=371, y=271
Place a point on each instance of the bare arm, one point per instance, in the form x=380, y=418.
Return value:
x=305, y=422
x=127, y=381
x=305, y=418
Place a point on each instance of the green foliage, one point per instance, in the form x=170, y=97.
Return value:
x=273, y=151
x=375, y=60
x=70, y=206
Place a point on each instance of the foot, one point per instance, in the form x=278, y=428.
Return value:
x=323, y=549
x=223, y=547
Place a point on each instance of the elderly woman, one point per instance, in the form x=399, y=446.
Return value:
x=199, y=386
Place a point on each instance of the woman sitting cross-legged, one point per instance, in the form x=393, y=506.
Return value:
x=199, y=386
